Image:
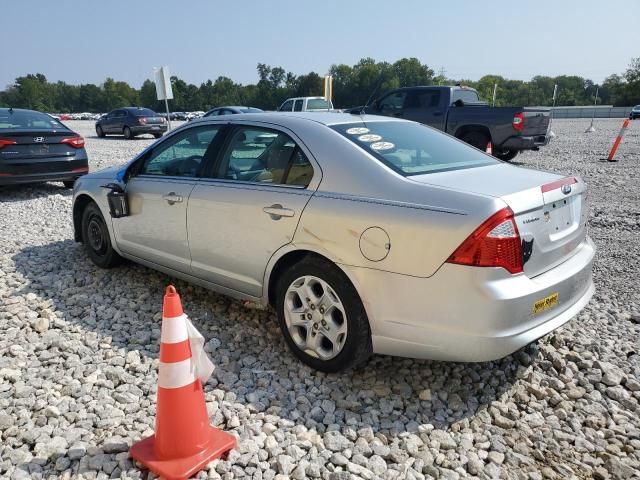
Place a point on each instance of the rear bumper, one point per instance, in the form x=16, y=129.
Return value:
x=39, y=177
x=139, y=129
x=470, y=314
x=525, y=142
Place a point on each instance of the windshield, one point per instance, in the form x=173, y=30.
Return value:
x=317, y=104
x=17, y=119
x=144, y=112
x=413, y=149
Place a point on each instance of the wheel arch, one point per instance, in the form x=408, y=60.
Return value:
x=464, y=129
x=289, y=256
x=79, y=204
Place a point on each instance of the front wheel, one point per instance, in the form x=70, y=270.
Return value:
x=127, y=133
x=96, y=239
x=321, y=316
x=68, y=183
x=99, y=131
x=506, y=155
x=157, y=135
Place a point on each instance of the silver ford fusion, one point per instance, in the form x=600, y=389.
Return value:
x=366, y=234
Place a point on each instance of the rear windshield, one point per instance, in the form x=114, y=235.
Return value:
x=413, y=149
x=18, y=119
x=317, y=104
x=467, y=96
x=144, y=112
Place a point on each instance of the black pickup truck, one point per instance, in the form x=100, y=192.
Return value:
x=458, y=111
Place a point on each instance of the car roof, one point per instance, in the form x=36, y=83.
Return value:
x=292, y=118
x=6, y=109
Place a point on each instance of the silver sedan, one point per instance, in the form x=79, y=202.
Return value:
x=365, y=234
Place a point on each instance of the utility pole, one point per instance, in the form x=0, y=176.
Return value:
x=441, y=75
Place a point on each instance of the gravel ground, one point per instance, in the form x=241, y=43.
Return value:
x=79, y=352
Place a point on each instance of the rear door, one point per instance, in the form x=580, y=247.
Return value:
x=158, y=194
x=249, y=206
x=426, y=106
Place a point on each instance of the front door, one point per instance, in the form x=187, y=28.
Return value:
x=249, y=207
x=158, y=196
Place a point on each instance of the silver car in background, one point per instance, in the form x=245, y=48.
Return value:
x=366, y=234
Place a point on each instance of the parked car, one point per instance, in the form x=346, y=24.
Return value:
x=130, y=122
x=231, y=111
x=458, y=110
x=35, y=147
x=635, y=112
x=305, y=104
x=366, y=234
x=178, y=116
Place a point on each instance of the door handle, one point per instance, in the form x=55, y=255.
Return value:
x=172, y=198
x=277, y=211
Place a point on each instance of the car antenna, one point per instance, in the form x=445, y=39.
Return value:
x=375, y=89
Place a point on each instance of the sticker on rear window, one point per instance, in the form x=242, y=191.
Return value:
x=382, y=146
x=371, y=137
x=357, y=130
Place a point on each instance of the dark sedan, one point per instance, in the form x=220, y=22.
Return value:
x=35, y=147
x=635, y=112
x=214, y=112
x=130, y=122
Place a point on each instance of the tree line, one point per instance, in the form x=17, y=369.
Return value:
x=352, y=86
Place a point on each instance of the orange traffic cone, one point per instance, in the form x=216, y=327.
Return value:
x=489, y=149
x=184, y=441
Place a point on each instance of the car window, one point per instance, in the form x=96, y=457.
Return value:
x=413, y=149
x=265, y=156
x=182, y=154
x=394, y=101
x=467, y=96
x=212, y=113
x=423, y=99
x=286, y=106
x=297, y=107
x=317, y=104
x=17, y=119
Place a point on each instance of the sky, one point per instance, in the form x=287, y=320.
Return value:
x=86, y=41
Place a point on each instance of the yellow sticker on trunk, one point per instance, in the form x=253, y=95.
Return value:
x=546, y=303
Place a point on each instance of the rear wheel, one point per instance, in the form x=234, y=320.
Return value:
x=127, y=133
x=68, y=183
x=321, y=316
x=476, y=139
x=96, y=239
x=99, y=131
x=157, y=135
x=505, y=155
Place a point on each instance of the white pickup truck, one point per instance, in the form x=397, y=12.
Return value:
x=306, y=104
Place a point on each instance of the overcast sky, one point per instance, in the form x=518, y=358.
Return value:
x=85, y=41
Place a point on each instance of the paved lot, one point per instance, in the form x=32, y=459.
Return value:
x=79, y=353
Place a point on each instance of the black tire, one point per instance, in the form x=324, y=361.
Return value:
x=96, y=239
x=157, y=135
x=126, y=131
x=506, y=155
x=99, y=131
x=357, y=347
x=476, y=139
x=68, y=183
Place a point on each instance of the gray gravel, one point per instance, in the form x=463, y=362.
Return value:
x=79, y=353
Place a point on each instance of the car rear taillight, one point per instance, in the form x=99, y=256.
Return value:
x=4, y=142
x=495, y=243
x=142, y=120
x=518, y=121
x=75, y=142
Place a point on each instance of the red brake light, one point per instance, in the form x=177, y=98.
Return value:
x=495, y=243
x=75, y=142
x=547, y=187
x=518, y=121
x=5, y=142
x=142, y=120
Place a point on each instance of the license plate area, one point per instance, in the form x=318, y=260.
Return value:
x=562, y=217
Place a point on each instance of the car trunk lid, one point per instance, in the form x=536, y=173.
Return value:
x=35, y=144
x=550, y=210
x=536, y=121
